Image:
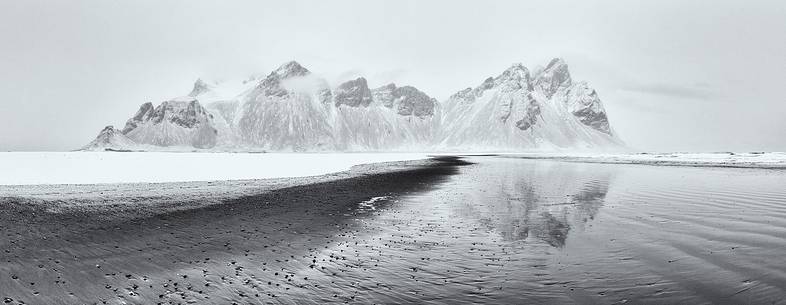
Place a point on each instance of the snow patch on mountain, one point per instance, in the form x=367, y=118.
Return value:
x=516, y=110
x=292, y=109
x=393, y=118
x=181, y=121
x=286, y=111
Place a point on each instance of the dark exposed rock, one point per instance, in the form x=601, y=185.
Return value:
x=187, y=117
x=531, y=116
x=553, y=77
x=597, y=120
x=406, y=100
x=271, y=85
x=143, y=114
x=585, y=104
x=147, y=125
x=354, y=93
x=413, y=101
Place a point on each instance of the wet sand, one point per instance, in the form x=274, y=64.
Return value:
x=233, y=251
x=490, y=230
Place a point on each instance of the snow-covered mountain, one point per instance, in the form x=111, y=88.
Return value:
x=110, y=139
x=292, y=109
x=178, y=122
x=385, y=118
x=519, y=109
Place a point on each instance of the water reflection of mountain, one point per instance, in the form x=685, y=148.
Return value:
x=541, y=201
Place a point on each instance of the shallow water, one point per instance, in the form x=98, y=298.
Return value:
x=516, y=231
x=502, y=230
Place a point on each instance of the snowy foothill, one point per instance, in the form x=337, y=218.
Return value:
x=29, y=168
x=718, y=159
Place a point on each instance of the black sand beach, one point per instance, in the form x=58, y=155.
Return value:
x=450, y=230
x=234, y=251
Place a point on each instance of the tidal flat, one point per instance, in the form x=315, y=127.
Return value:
x=454, y=230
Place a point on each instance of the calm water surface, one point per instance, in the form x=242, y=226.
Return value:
x=516, y=231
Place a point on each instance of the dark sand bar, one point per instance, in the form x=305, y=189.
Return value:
x=178, y=251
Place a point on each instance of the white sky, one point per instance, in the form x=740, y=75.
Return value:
x=673, y=75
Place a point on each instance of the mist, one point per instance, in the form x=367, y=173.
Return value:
x=673, y=75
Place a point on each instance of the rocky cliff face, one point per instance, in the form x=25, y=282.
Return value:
x=553, y=78
x=178, y=122
x=406, y=100
x=291, y=109
x=354, y=93
x=286, y=111
x=583, y=102
x=521, y=110
x=390, y=118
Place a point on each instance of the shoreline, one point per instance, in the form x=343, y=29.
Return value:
x=773, y=161
x=433, y=231
x=192, y=249
x=96, y=194
x=76, y=168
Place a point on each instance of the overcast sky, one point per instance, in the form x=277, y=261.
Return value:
x=673, y=75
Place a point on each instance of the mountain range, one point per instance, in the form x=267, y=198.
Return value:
x=293, y=109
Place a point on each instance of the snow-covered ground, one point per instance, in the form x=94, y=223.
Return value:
x=720, y=159
x=27, y=168
x=30, y=168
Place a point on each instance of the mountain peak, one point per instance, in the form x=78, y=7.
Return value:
x=294, y=109
x=516, y=76
x=291, y=69
x=513, y=78
x=108, y=130
x=144, y=113
x=272, y=83
x=553, y=77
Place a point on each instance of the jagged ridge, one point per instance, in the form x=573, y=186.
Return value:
x=519, y=109
x=291, y=109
